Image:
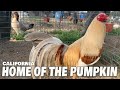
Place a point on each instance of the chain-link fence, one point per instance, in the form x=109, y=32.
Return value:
x=46, y=20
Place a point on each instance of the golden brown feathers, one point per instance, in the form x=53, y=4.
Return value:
x=72, y=55
x=60, y=55
x=90, y=59
x=89, y=47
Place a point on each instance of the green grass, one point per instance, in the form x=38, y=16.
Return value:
x=115, y=32
x=57, y=32
x=68, y=37
x=18, y=37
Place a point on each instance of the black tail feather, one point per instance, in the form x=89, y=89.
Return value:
x=31, y=26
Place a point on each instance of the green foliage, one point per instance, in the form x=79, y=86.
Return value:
x=68, y=37
x=115, y=32
x=57, y=32
x=18, y=37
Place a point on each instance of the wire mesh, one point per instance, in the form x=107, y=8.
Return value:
x=45, y=20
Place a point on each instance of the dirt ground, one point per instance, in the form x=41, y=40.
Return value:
x=19, y=51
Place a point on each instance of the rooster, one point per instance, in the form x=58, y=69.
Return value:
x=83, y=52
x=19, y=26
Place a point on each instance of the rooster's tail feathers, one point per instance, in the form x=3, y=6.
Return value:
x=45, y=47
x=36, y=37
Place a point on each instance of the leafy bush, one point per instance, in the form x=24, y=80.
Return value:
x=68, y=37
x=115, y=32
x=18, y=37
x=57, y=32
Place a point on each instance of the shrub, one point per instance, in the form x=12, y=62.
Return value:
x=18, y=37
x=68, y=37
x=115, y=32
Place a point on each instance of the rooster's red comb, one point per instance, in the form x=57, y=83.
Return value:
x=102, y=17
